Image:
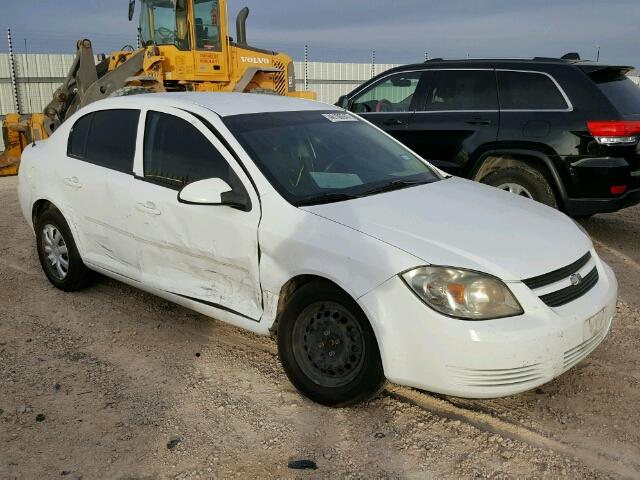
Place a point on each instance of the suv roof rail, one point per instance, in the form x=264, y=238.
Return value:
x=571, y=56
x=439, y=59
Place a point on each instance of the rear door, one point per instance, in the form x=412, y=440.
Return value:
x=457, y=115
x=97, y=179
x=205, y=253
x=389, y=103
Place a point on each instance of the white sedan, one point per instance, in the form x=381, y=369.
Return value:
x=298, y=219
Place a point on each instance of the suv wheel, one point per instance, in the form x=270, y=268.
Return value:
x=523, y=180
x=327, y=347
x=58, y=253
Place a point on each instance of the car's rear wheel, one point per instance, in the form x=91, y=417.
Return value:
x=58, y=253
x=523, y=180
x=327, y=347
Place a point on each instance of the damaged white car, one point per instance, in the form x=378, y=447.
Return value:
x=298, y=219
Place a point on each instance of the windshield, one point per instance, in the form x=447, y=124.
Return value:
x=314, y=157
x=164, y=22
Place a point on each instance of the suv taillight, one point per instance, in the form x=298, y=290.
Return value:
x=615, y=132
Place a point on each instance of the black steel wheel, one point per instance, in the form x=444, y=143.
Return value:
x=328, y=348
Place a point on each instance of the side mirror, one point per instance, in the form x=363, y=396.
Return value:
x=132, y=9
x=214, y=191
x=343, y=102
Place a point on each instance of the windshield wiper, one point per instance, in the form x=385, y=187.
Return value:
x=325, y=198
x=393, y=185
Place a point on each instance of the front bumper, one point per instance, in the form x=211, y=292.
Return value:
x=423, y=349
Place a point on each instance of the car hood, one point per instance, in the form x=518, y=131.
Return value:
x=459, y=223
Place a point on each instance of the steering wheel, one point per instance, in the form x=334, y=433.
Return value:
x=382, y=103
x=165, y=33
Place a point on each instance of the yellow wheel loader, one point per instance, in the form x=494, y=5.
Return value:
x=185, y=47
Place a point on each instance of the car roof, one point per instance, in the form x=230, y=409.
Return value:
x=500, y=63
x=224, y=104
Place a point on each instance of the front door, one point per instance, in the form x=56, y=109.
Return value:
x=389, y=103
x=204, y=253
x=457, y=114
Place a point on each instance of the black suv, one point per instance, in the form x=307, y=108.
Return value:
x=561, y=131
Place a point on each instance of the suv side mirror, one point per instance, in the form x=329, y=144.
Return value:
x=214, y=191
x=132, y=9
x=343, y=102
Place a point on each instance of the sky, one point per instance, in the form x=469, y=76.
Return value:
x=400, y=31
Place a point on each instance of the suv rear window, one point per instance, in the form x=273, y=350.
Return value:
x=529, y=91
x=621, y=92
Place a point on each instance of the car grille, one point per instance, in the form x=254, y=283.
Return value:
x=566, y=294
x=497, y=377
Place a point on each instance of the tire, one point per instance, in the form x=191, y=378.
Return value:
x=53, y=238
x=126, y=91
x=525, y=180
x=320, y=319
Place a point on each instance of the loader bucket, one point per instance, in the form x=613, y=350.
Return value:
x=17, y=132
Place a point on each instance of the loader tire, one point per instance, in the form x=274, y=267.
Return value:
x=126, y=91
x=58, y=253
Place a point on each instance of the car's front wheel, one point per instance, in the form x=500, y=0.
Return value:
x=327, y=347
x=58, y=253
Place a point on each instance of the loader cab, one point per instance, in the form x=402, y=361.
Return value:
x=186, y=24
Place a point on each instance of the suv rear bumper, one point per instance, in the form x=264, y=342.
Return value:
x=594, y=177
x=589, y=206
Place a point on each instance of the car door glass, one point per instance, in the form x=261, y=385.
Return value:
x=176, y=153
x=456, y=90
x=393, y=94
x=529, y=91
x=106, y=138
x=78, y=137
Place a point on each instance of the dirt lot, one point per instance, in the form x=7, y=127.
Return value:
x=115, y=383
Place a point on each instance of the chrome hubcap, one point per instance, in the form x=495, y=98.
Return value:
x=55, y=251
x=515, y=189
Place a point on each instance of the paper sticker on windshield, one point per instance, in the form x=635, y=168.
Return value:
x=339, y=117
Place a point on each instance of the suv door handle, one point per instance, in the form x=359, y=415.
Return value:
x=479, y=121
x=392, y=121
x=72, y=182
x=148, y=207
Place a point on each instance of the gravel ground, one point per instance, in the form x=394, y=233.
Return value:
x=114, y=383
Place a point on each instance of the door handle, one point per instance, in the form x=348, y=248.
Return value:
x=148, y=207
x=72, y=182
x=392, y=121
x=479, y=121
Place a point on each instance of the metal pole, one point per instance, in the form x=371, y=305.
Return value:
x=12, y=73
x=373, y=63
x=138, y=42
x=598, y=53
x=306, y=68
x=426, y=56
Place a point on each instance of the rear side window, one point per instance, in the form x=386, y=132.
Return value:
x=529, y=91
x=462, y=90
x=621, y=92
x=106, y=138
x=176, y=153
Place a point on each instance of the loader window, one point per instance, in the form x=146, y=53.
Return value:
x=176, y=153
x=207, y=18
x=165, y=22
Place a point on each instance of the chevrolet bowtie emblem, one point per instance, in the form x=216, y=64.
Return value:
x=576, y=279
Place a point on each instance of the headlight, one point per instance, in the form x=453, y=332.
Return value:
x=462, y=293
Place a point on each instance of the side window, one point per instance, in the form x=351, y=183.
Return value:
x=393, y=94
x=462, y=90
x=106, y=138
x=77, y=146
x=176, y=153
x=529, y=91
